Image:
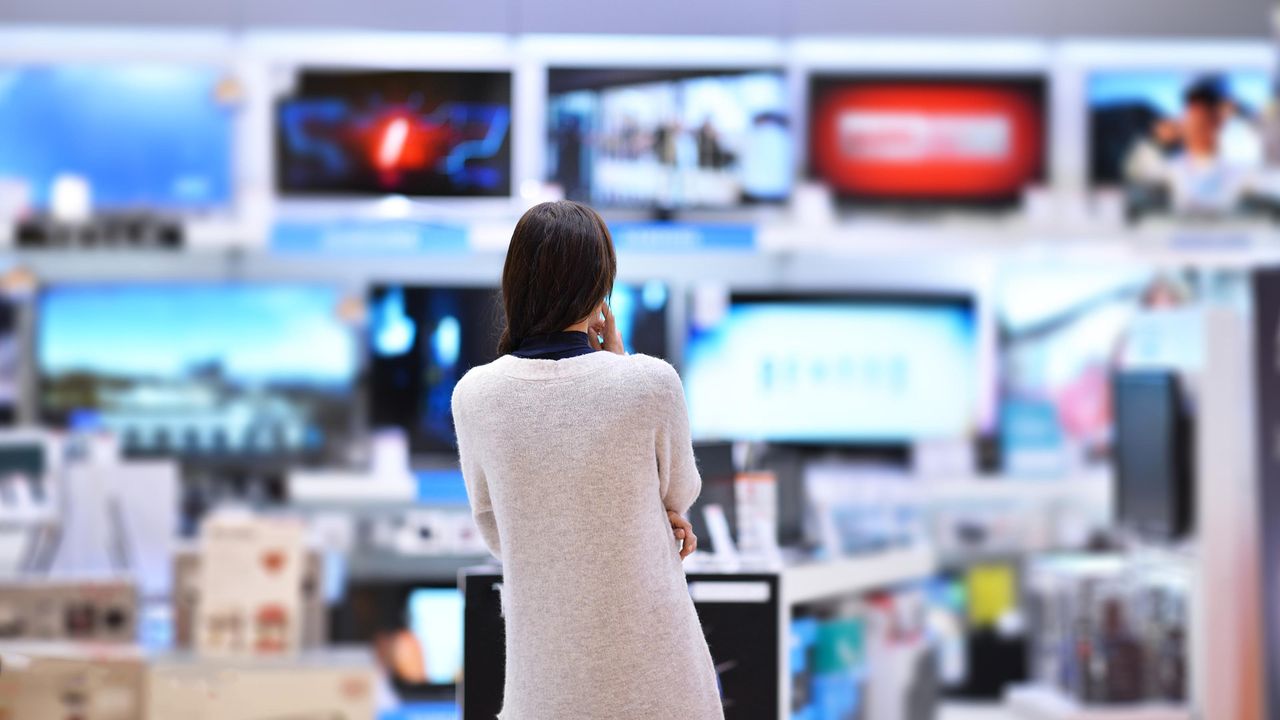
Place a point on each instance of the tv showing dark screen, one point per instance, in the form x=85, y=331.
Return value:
x=912, y=140
x=1153, y=455
x=669, y=138
x=199, y=369
x=144, y=136
x=416, y=133
x=424, y=339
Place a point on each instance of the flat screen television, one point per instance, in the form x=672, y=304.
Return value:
x=669, y=139
x=968, y=141
x=423, y=339
x=416, y=133
x=839, y=369
x=145, y=136
x=1140, y=123
x=199, y=370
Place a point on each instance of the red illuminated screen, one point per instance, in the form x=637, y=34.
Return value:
x=950, y=140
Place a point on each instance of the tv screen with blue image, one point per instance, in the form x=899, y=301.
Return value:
x=144, y=136
x=423, y=339
x=199, y=369
x=418, y=133
x=834, y=369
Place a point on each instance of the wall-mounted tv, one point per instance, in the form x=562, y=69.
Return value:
x=199, y=370
x=946, y=140
x=423, y=339
x=669, y=139
x=144, y=136
x=839, y=368
x=417, y=133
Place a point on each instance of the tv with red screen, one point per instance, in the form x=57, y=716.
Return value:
x=407, y=132
x=938, y=140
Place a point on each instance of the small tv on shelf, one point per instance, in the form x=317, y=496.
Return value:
x=409, y=132
x=669, y=139
x=840, y=369
x=145, y=136
x=423, y=339
x=217, y=370
x=917, y=141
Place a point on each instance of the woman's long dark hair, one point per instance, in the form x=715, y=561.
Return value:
x=560, y=266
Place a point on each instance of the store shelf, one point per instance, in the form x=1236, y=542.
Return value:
x=1044, y=703
x=824, y=580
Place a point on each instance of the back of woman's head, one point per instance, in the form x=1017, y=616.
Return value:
x=560, y=266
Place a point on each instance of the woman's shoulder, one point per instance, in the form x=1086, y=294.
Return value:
x=655, y=374
x=475, y=381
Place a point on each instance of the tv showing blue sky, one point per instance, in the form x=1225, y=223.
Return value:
x=200, y=367
x=259, y=334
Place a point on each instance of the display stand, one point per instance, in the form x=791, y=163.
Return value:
x=760, y=599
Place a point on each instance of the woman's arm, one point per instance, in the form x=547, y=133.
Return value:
x=678, y=479
x=477, y=487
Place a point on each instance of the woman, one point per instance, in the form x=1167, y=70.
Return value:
x=578, y=465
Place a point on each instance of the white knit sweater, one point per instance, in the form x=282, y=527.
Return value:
x=570, y=466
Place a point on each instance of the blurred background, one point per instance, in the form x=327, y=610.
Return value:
x=974, y=304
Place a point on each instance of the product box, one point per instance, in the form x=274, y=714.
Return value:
x=314, y=686
x=250, y=580
x=61, y=681
x=186, y=599
x=99, y=611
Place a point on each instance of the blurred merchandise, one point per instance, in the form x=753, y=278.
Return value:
x=756, y=511
x=1112, y=631
x=110, y=231
x=98, y=611
x=669, y=139
x=718, y=498
x=116, y=517
x=366, y=132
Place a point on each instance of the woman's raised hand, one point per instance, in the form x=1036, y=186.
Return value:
x=603, y=326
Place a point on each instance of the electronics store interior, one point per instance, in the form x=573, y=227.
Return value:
x=973, y=306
